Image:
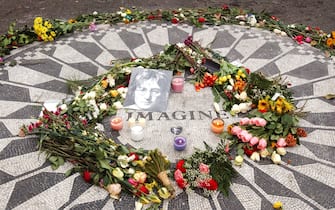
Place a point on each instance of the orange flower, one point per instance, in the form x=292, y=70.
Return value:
x=229, y=129
x=329, y=42
x=71, y=20
x=263, y=105
x=239, y=85
x=333, y=34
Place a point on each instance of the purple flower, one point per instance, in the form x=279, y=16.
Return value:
x=92, y=27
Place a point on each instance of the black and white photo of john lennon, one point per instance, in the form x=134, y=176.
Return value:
x=148, y=90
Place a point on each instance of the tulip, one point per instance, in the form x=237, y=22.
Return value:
x=264, y=153
x=281, y=151
x=164, y=193
x=276, y=159
x=255, y=156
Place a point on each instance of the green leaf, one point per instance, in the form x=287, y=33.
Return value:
x=69, y=172
x=100, y=154
x=240, y=151
x=105, y=164
x=53, y=159
x=60, y=161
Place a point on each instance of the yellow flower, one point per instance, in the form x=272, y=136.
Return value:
x=50, y=38
x=277, y=205
x=128, y=11
x=151, y=185
x=52, y=33
x=114, y=93
x=288, y=106
x=279, y=109
x=38, y=20
x=263, y=105
x=333, y=34
x=71, y=20
x=104, y=83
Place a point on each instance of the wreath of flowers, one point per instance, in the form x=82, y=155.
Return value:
x=71, y=131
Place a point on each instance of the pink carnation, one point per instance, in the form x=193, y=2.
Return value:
x=236, y=130
x=262, y=144
x=244, y=121
x=204, y=168
x=281, y=142
x=254, y=141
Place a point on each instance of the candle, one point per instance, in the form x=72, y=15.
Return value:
x=136, y=133
x=178, y=84
x=131, y=122
x=217, y=125
x=141, y=122
x=116, y=123
x=179, y=143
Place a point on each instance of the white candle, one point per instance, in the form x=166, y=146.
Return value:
x=131, y=122
x=141, y=122
x=136, y=133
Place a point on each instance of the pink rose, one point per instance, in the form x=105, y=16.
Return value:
x=252, y=121
x=245, y=136
x=254, y=141
x=281, y=142
x=236, y=130
x=260, y=122
x=262, y=144
x=204, y=168
x=244, y=121
x=133, y=182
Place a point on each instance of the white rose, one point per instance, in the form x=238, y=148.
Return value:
x=244, y=107
x=138, y=205
x=231, y=81
x=276, y=159
x=255, y=156
x=238, y=160
x=111, y=80
x=123, y=14
x=95, y=13
x=283, y=33
x=264, y=153
x=118, y=105
x=235, y=108
x=243, y=96
x=281, y=151
x=63, y=107
x=229, y=87
x=276, y=31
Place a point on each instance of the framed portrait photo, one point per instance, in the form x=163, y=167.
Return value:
x=148, y=90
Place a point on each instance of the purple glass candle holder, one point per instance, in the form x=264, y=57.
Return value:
x=179, y=143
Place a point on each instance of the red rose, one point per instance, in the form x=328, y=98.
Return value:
x=178, y=176
x=87, y=176
x=248, y=151
x=174, y=20
x=142, y=190
x=209, y=184
x=299, y=39
x=225, y=7
x=180, y=166
x=181, y=183
x=201, y=19
x=151, y=17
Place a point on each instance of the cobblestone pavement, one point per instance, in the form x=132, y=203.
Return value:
x=28, y=182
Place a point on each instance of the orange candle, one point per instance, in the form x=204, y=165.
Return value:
x=217, y=125
x=116, y=123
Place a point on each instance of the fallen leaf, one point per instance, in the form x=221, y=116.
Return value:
x=329, y=96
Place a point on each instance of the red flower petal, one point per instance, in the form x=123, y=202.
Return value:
x=180, y=166
x=87, y=176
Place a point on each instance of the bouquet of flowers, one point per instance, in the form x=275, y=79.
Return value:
x=208, y=170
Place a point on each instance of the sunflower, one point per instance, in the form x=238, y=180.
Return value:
x=263, y=105
x=329, y=42
x=287, y=106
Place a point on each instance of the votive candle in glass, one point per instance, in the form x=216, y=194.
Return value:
x=177, y=84
x=217, y=125
x=116, y=123
x=131, y=122
x=141, y=121
x=179, y=143
x=136, y=133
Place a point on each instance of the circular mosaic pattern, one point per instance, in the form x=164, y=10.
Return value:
x=304, y=181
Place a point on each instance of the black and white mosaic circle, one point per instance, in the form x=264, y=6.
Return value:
x=28, y=182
